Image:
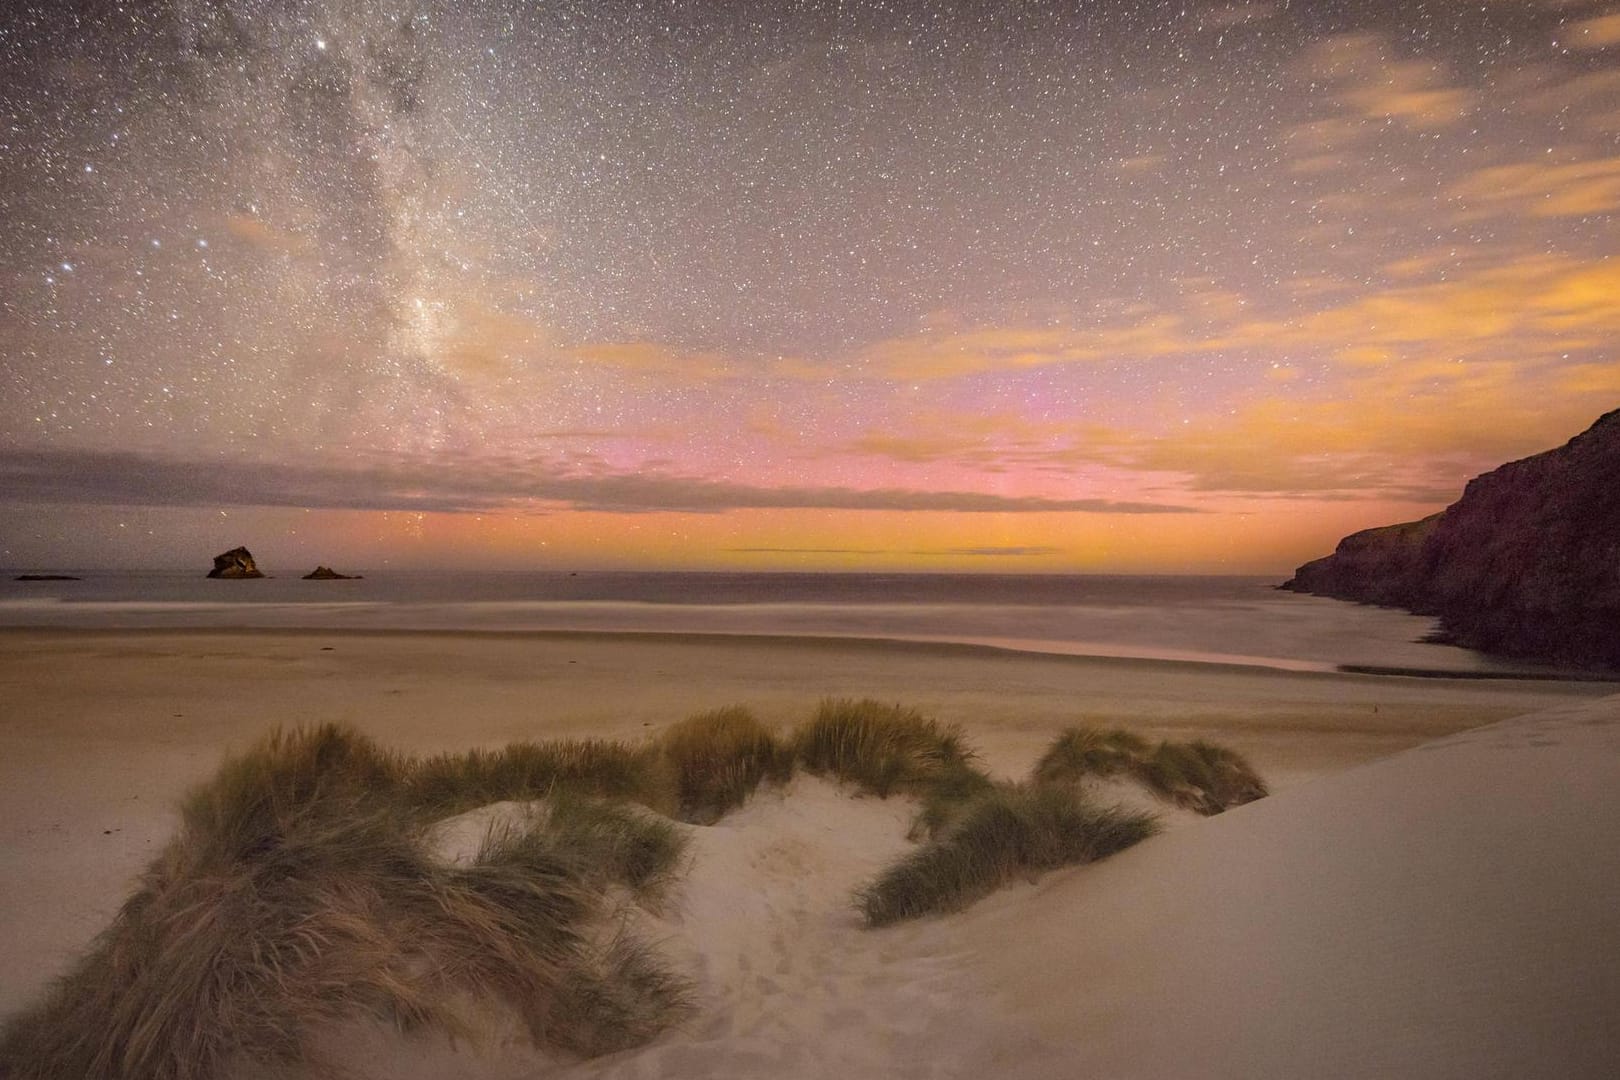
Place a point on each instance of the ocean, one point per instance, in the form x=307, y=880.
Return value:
x=1229, y=620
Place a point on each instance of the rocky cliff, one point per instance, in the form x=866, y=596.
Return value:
x=235, y=563
x=1525, y=564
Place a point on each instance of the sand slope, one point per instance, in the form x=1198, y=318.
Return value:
x=1449, y=912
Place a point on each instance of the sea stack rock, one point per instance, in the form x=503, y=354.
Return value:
x=1526, y=564
x=326, y=573
x=235, y=563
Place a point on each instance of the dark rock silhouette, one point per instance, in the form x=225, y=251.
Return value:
x=46, y=577
x=1526, y=564
x=235, y=563
x=326, y=573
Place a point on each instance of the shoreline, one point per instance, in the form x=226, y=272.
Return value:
x=1431, y=673
x=942, y=645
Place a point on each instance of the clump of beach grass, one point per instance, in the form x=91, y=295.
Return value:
x=883, y=749
x=301, y=893
x=719, y=758
x=1087, y=751
x=1201, y=776
x=1196, y=775
x=612, y=843
x=993, y=837
x=453, y=782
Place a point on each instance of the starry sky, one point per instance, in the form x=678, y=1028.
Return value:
x=1088, y=286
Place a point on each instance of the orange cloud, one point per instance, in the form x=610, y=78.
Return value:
x=1224, y=18
x=1411, y=432
x=653, y=358
x=1414, y=93
x=258, y=233
x=1598, y=32
x=486, y=342
x=1143, y=163
x=1588, y=102
x=1543, y=189
x=1527, y=309
x=935, y=354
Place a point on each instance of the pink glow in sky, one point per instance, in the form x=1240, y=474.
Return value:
x=1141, y=287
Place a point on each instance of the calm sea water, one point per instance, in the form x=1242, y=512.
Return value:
x=1240, y=620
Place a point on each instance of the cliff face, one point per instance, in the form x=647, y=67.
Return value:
x=1374, y=566
x=1525, y=564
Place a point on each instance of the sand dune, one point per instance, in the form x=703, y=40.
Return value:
x=1446, y=911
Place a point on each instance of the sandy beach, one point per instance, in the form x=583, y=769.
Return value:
x=1121, y=969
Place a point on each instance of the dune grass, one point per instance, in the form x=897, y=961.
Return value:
x=883, y=749
x=451, y=783
x=303, y=890
x=611, y=843
x=1087, y=751
x=1201, y=776
x=719, y=758
x=1195, y=775
x=997, y=835
x=300, y=893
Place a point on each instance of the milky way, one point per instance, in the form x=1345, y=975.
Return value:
x=1082, y=286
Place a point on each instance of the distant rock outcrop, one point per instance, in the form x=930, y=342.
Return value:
x=326, y=573
x=235, y=563
x=1525, y=564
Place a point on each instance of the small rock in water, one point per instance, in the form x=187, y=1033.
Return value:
x=235, y=563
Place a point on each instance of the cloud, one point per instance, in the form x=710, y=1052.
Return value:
x=1229, y=15
x=472, y=486
x=1587, y=102
x=258, y=233
x=481, y=341
x=945, y=353
x=1371, y=85
x=1142, y=163
x=813, y=551
x=1020, y=551
x=653, y=358
x=1598, y=32
x=1399, y=432
x=1528, y=309
x=1543, y=189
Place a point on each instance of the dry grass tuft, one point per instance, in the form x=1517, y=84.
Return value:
x=300, y=893
x=1201, y=776
x=612, y=843
x=451, y=783
x=1086, y=751
x=719, y=758
x=883, y=749
x=994, y=837
x=1195, y=775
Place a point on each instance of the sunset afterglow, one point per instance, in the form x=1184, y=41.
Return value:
x=1152, y=287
